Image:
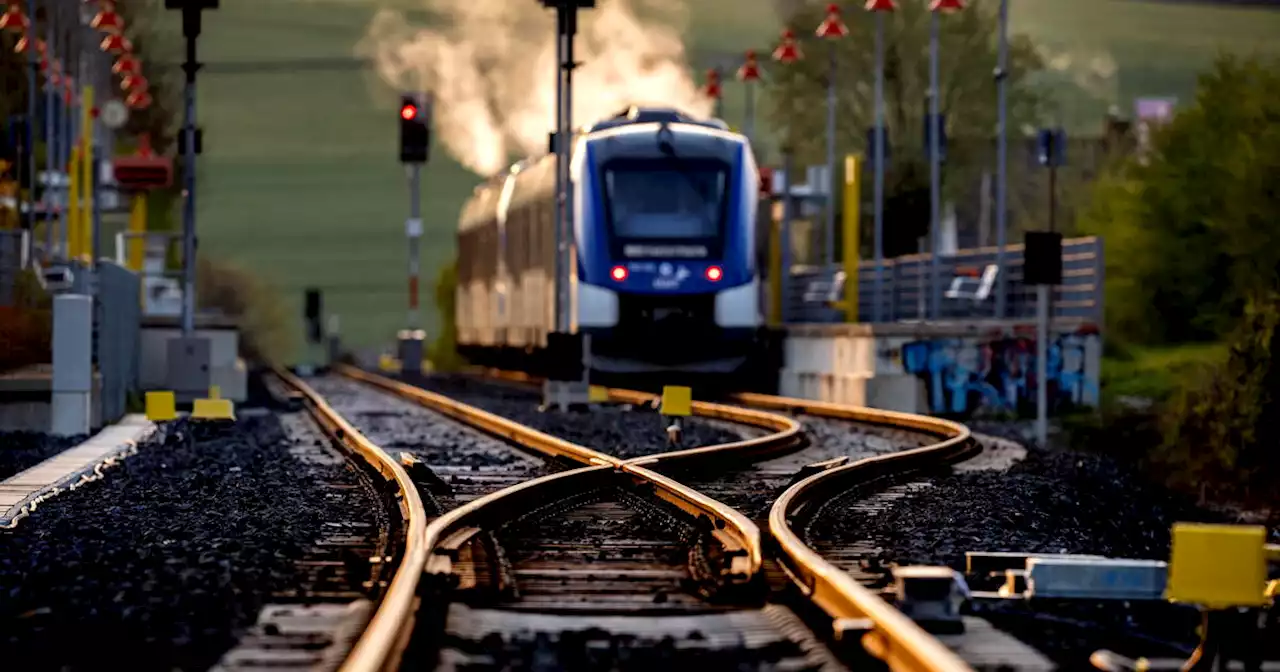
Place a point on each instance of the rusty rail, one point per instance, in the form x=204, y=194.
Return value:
x=383, y=640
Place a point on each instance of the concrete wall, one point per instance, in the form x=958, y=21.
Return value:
x=956, y=369
x=25, y=400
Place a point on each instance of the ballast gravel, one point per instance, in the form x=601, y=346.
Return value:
x=1051, y=501
x=622, y=432
x=20, y=451
x=166, y=561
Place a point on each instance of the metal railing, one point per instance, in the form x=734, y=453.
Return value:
x=968, y=282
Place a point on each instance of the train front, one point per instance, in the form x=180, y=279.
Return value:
x=665, y=225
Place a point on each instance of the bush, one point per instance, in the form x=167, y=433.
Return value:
x=1225, y=431
x=266, y=334
x=26, y=327
x=1190, y=233
x=443, y=351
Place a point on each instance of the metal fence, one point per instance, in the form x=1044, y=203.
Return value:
x=13, y=259
x=119, y=333
x=967, y=282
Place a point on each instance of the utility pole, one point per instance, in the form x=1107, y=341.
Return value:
x=832, y=29
x=189, y=356
x=1002, y=156
x=935, y=131
x=878, y=139
x=191, y=20
x=565, y=352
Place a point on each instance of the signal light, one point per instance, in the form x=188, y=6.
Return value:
x=714, y=273
x=415, y=134
x=619, y=273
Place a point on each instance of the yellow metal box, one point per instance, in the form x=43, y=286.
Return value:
x=677, y=400
x=161, y=406
x=1218, y=566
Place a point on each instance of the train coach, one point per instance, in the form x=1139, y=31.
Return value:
x=664, y=271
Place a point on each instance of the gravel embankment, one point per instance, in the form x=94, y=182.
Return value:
x=165, y=562
x=22, y=450
x=610, y=429
x=1052, y=501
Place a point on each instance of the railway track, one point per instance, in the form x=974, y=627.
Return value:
x=572, y=565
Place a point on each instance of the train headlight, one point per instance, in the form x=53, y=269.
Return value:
x=714, y=273
x=619, y=273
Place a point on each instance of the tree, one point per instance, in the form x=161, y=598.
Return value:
x=797, y=104
x=1190, y=229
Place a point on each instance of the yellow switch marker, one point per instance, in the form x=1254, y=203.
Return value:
x=677, y=400
x=213, y=408
x=161, y=406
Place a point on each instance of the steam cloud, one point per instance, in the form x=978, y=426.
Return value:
x=491, y=67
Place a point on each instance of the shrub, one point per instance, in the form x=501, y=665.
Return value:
x=26, y=326
x=1224, y=432
x=443, y=351
x=266, y=334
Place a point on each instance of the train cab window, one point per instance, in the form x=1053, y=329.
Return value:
x=674, y=201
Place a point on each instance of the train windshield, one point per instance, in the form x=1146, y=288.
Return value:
x=669, y=200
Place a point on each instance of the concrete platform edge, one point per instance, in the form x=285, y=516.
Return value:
x=131, y=431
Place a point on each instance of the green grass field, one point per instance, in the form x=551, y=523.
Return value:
x=300, y=183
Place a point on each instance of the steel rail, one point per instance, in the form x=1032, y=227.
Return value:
x=740, y=536
x=384, y=638
x=889, y=635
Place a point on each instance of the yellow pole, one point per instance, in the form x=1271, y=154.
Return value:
x=852, y=216
x=137, y=228
x=73, y=208
x=775, y=271
x=86, y=184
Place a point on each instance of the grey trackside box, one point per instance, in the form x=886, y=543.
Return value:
x=189, y=360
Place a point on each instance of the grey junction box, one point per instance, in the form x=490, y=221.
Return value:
x=188, y=360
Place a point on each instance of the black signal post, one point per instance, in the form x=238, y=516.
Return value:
x=566, y=27
x=191, y=19
x=415, y=141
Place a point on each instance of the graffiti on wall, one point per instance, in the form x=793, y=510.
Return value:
x=967, y=376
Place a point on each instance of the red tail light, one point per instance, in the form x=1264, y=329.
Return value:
x=619, y=273
x=714, y=273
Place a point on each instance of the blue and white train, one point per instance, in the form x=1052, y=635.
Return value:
x=664, y=273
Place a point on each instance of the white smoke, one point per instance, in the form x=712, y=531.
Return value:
x=490, y=65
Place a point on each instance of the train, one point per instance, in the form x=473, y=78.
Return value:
x=664, y=271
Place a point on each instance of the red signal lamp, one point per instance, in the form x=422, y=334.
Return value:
x=881, y=6
x=714, y=273
x=127, y=65
x=832, y=26
x=619, y=273
x=133, y=83
x=24, y=44
x=13, y=19
x=138, y=100
x=713, y=83
x=107, y=20
x=116, y=44
x=750, y=70
x=946, y=6
x=787, y=52
x=409, y=112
